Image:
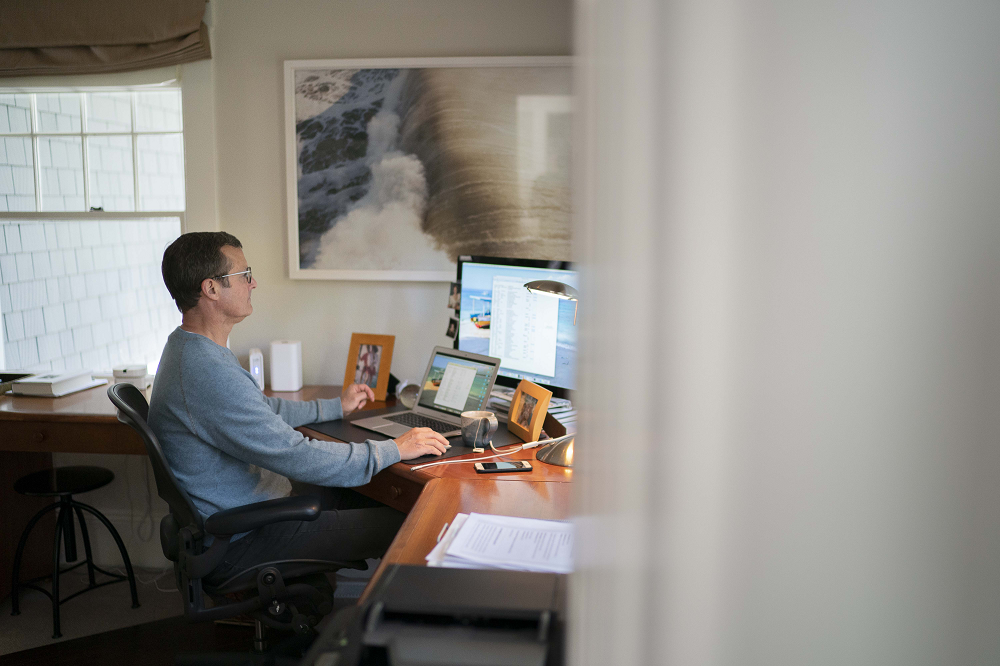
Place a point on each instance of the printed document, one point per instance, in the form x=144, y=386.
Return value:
x=480, y=541
x=455, y=386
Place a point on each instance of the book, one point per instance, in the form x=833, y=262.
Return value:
x=56, y=384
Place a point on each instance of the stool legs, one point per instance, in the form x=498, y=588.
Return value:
x=55, y=576
x=15, y=584
x=69, y=533
x=86, y=545
x=121, y=548
x=65, y=532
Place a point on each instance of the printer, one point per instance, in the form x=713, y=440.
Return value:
x=425, y=616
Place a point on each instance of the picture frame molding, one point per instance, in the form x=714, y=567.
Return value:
x=531, y=433
x=387, y=342
x=291, y=154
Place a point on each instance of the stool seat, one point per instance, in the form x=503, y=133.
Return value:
x=64, y=481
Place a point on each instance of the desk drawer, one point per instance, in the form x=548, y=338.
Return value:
x=392, y=490
x=70, y=437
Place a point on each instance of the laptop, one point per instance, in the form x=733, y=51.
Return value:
x=455, y=382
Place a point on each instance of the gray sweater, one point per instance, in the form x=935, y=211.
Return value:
x=229, y=445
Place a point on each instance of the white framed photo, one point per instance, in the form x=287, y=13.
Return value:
x=395, y=167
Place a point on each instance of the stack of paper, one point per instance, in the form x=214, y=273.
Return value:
x=560, y=408
x=500, y=399
x=481, y=541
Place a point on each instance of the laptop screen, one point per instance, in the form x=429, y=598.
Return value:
x=454, y=385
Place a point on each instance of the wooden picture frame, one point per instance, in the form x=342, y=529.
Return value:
x=368, y=362
x=528, y=410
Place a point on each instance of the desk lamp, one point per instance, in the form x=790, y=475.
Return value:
x=557, y=289
x=560, y=451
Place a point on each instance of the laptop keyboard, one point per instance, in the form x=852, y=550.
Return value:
x=417, y=421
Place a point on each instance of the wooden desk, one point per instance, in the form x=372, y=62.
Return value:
x=84, y=422
x=31, y=429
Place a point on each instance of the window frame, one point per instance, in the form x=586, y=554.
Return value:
x=34, y=135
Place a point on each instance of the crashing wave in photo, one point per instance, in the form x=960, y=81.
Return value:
x=405, y=169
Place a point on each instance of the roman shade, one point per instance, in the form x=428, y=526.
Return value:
x=39, y=37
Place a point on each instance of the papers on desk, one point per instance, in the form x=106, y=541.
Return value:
x=561, y=409
x=481, y=541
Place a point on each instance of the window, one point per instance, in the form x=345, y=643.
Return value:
x=113, y=151
x=91, y=193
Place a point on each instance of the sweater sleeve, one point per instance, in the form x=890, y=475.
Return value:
x=299, y=413
x=227, y=409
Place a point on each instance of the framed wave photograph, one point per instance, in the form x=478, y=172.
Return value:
x=395, y=167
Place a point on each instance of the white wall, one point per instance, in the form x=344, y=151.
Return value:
x=809, y=272
x=250, y=41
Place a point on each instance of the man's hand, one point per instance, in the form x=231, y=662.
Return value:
x=355, y=396
x=421, y=442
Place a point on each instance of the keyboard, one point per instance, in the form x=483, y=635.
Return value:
x=417, y=421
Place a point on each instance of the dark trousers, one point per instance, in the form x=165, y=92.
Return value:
x=351, y=527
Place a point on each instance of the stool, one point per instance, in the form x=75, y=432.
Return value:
x=64, y=482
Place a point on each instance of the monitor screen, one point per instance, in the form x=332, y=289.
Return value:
x=455, y=385
x=533, y=334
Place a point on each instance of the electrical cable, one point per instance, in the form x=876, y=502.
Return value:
x=499, y=454
x=147, y=517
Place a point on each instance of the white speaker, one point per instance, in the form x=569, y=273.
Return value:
x=257, y=367
x=286, y=365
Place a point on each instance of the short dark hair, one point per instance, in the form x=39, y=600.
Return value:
x=190, y=260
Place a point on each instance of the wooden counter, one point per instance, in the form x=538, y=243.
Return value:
x=31, y=429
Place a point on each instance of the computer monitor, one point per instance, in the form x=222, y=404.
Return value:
x=533, y=334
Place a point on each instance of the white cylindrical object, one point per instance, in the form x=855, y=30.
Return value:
x=132, y=374
x=130, y=371
x=257, y=367
x=286, y=365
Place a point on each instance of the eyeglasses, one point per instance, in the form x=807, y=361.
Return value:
x=247, y=273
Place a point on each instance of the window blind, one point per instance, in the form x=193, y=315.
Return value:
x=45, y=37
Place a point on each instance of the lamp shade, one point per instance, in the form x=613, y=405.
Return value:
x=557, y=289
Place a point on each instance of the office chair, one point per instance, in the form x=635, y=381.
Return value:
x=280, y=600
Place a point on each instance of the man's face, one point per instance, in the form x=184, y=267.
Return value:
x=235, y=300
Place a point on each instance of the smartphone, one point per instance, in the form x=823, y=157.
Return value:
x=497, y=467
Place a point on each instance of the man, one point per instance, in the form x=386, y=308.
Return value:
x=229, y=445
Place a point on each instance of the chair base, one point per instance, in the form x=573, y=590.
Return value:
x=67, y=506
x=287, y=652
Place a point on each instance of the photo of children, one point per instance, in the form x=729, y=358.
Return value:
x=366, y=370
x=525, y=411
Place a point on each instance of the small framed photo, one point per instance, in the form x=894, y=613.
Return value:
x=452, y=328
x=528, y=410
x=369, y=361
x=455, y=296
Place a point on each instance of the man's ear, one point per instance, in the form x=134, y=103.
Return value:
x=210, y=290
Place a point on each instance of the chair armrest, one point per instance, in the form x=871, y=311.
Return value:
x=252, y=516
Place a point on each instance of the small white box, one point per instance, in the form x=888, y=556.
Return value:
x=286, y=365
x=129, y=371
x=134, y=375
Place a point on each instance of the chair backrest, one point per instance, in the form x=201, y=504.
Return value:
x=133, y=410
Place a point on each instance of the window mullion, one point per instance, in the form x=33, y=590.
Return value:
x=86, y=154
x=35, y=151
x=135, y=153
